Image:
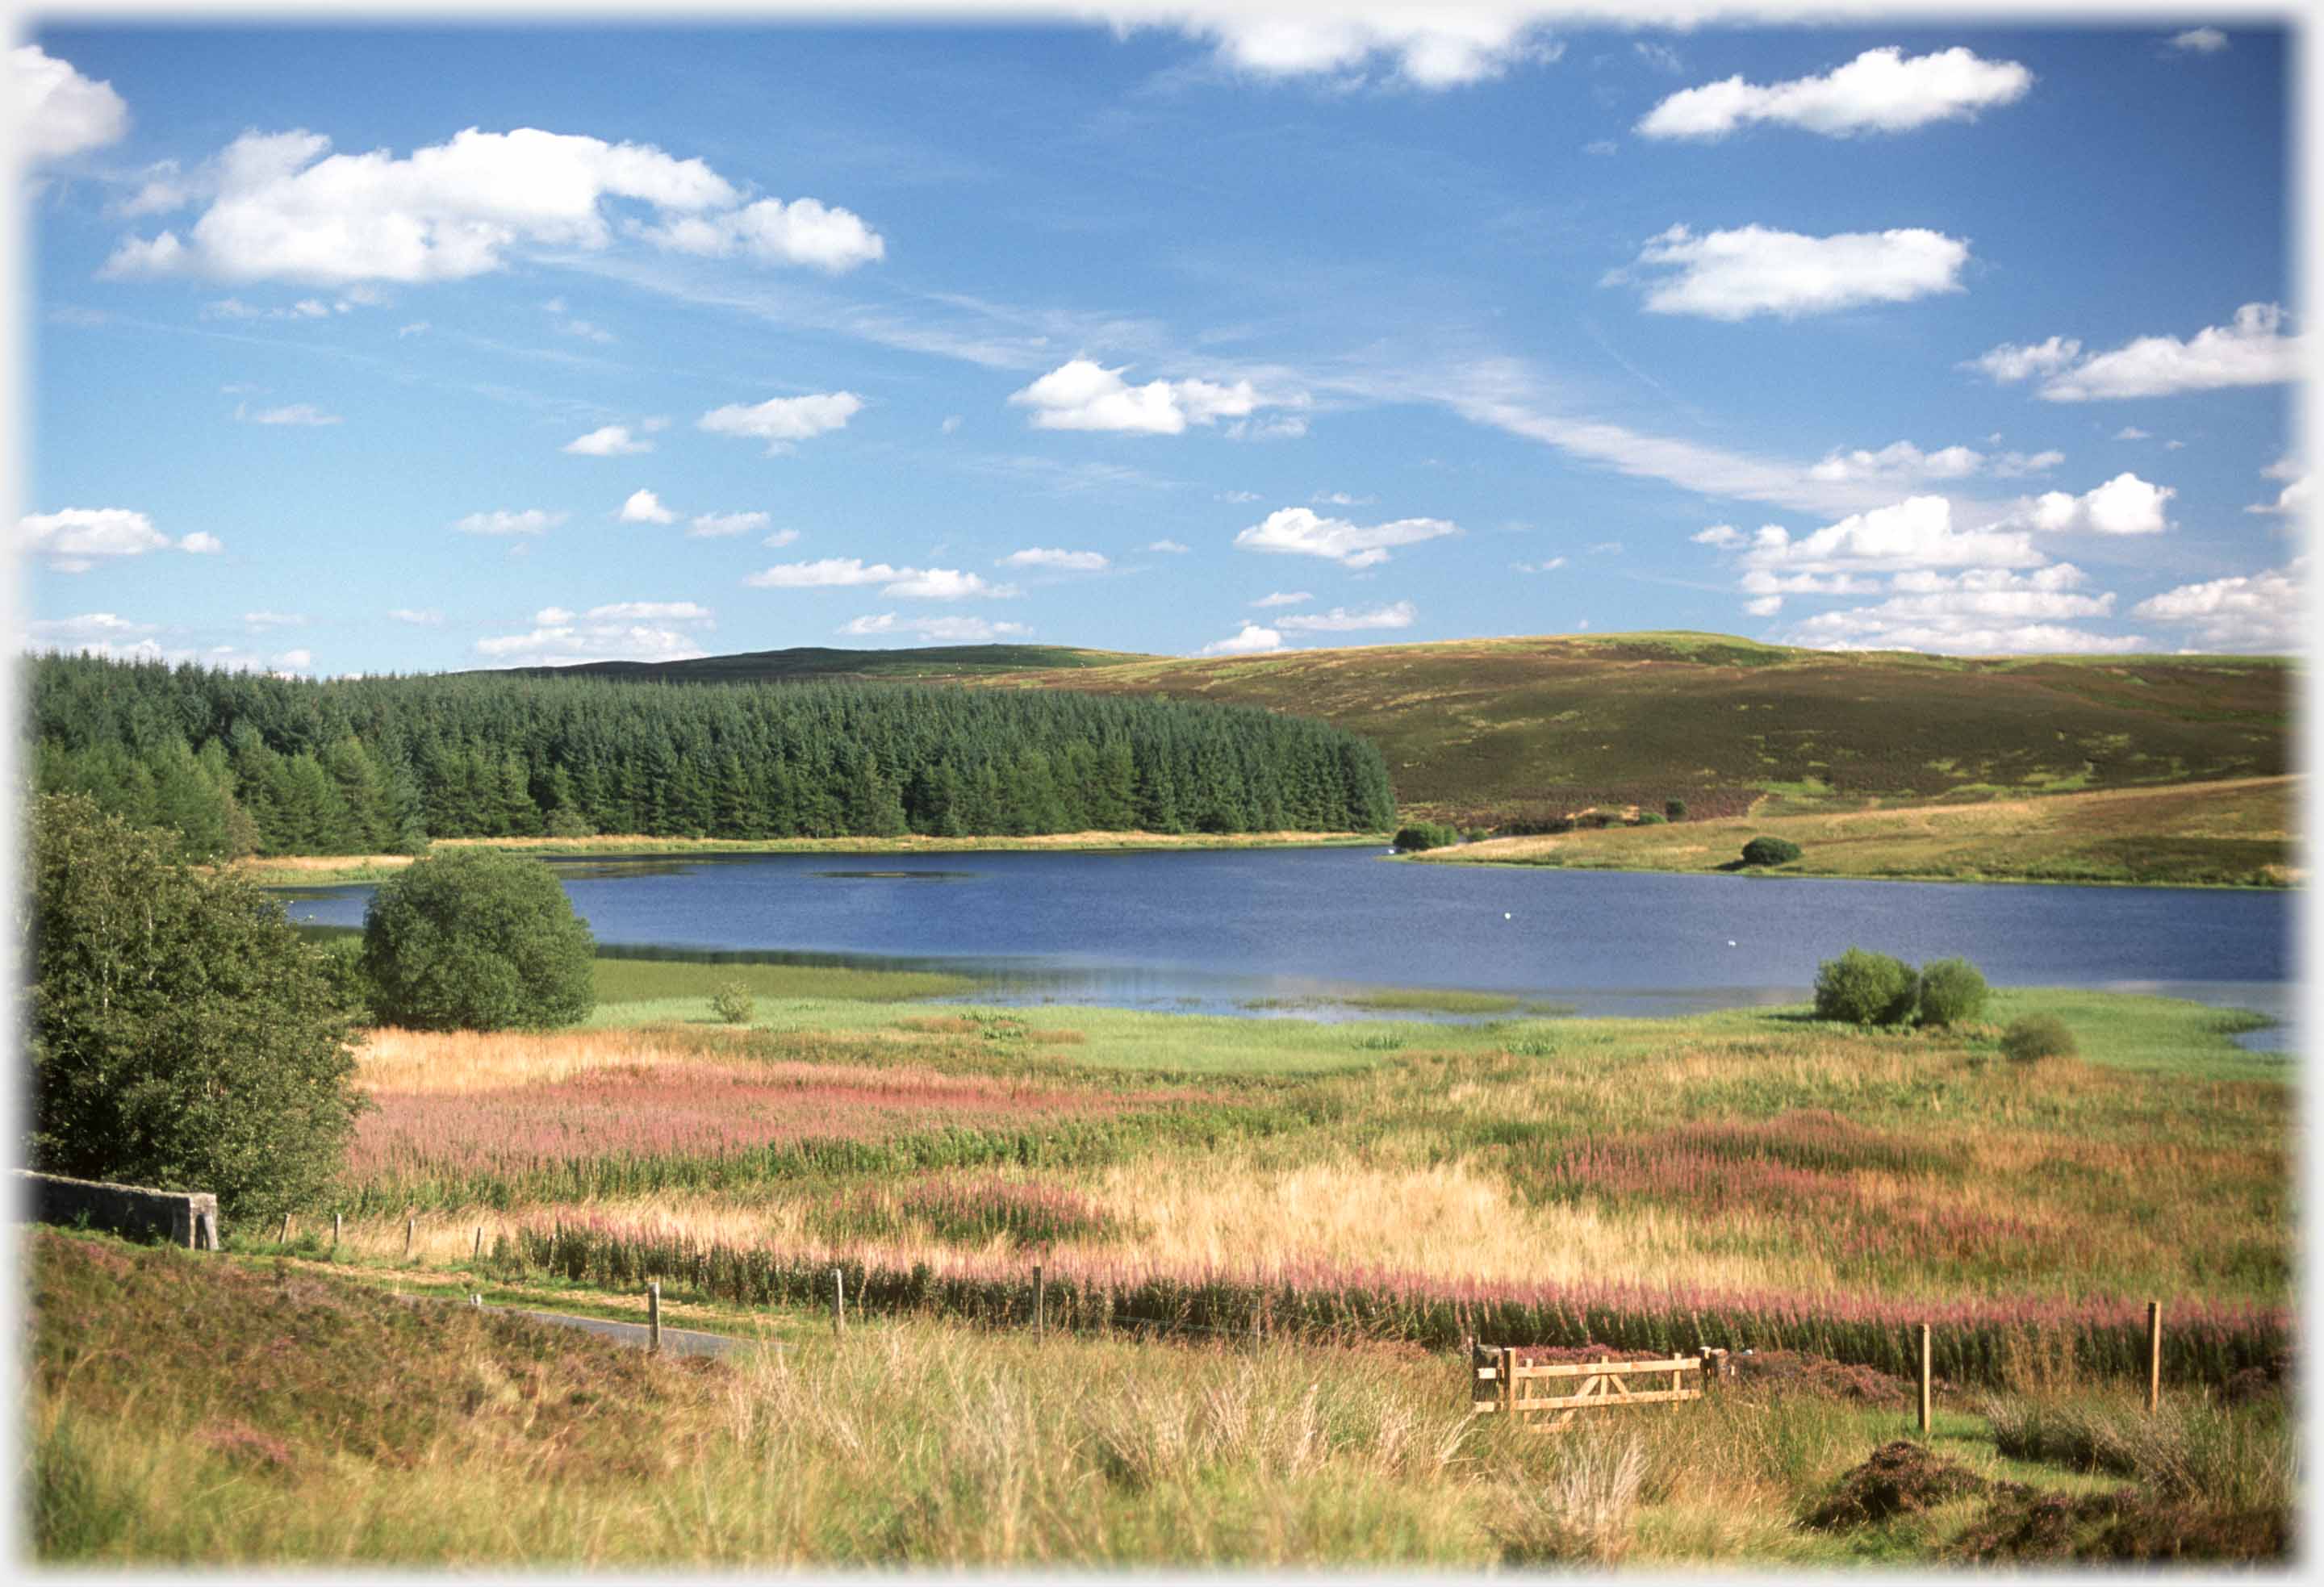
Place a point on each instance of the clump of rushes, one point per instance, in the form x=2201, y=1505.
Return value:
x=966, y=1211
x=732, y=1003
x=1977, y=1343
x=2036, y=1037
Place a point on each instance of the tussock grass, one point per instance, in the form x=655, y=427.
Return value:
x=332, y=1424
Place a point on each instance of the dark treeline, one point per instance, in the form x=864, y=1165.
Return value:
x=239, y=764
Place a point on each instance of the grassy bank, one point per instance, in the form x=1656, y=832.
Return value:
x=2233, y=834
x=331, y=1424
x=329, y=870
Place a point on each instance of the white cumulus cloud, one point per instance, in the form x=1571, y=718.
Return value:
x=1301, y=531
x=2200, y=40
x=943, y=630
x=1055, y=557
x=1755, y=269
x=1339, y=619
x=825, y=573
x=801, y=232
x=1423, y=47
x=2252, y=351
x=1083, y=394
x=2299, y=489
x=528, y=521
x=77, y=539
x=1913, y=534
x=58, y=112
x=287, y=208
x=946, y=584
x=1171, y=548
x=612, y=440
x=2248, y=612
x=2125, y=504
x=1881, y=90
x=927, y=584
x=645, y=507
x=780, y=420
x=1284, y=598
x=297, y=413
x=718, y=525
x=1250, y=640
x=2009, y=363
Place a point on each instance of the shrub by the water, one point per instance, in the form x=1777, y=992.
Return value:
x=477, y=939
x=182, y=1035
x=1416, y=836
x=1865, y=988
x=1675, y=810
x=1953, y=993
x=1647, y=818
x=1770, y=851
x=2037, y=1037
x=733, y=1002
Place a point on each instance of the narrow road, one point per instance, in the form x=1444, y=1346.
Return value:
x=674, y=1341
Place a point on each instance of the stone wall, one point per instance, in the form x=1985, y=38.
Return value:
x=181, y=1217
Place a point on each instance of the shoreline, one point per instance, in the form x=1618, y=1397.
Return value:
x=335, y=870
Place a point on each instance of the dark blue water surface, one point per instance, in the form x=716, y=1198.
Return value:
x=1219, y=930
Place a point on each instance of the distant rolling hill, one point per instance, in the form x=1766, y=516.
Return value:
x=927, y=664
x=1510, y=732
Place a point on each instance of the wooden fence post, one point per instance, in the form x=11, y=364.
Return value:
x=838, y=1302
x=411, y=1225
x=478, y=1253
x=1924, y=1380
x=1040, y=1302
x=2153, y=1356
x=1509, y=1382
x=653, y=1314
x=334, y=1231
x=284, y=1237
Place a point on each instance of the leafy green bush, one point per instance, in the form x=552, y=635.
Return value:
x=1675, y=810
x=2037, y=1037
x=1770, y=851
x=477, y=939
x=182, y=1035
x=1953, y=993
x=734, y=1003
x=1416, y=836
x=1864, y=988
x=1647, y=818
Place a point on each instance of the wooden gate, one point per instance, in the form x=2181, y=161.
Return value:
x=1548, y=1396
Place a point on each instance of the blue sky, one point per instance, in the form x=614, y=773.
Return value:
x=415, y=349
